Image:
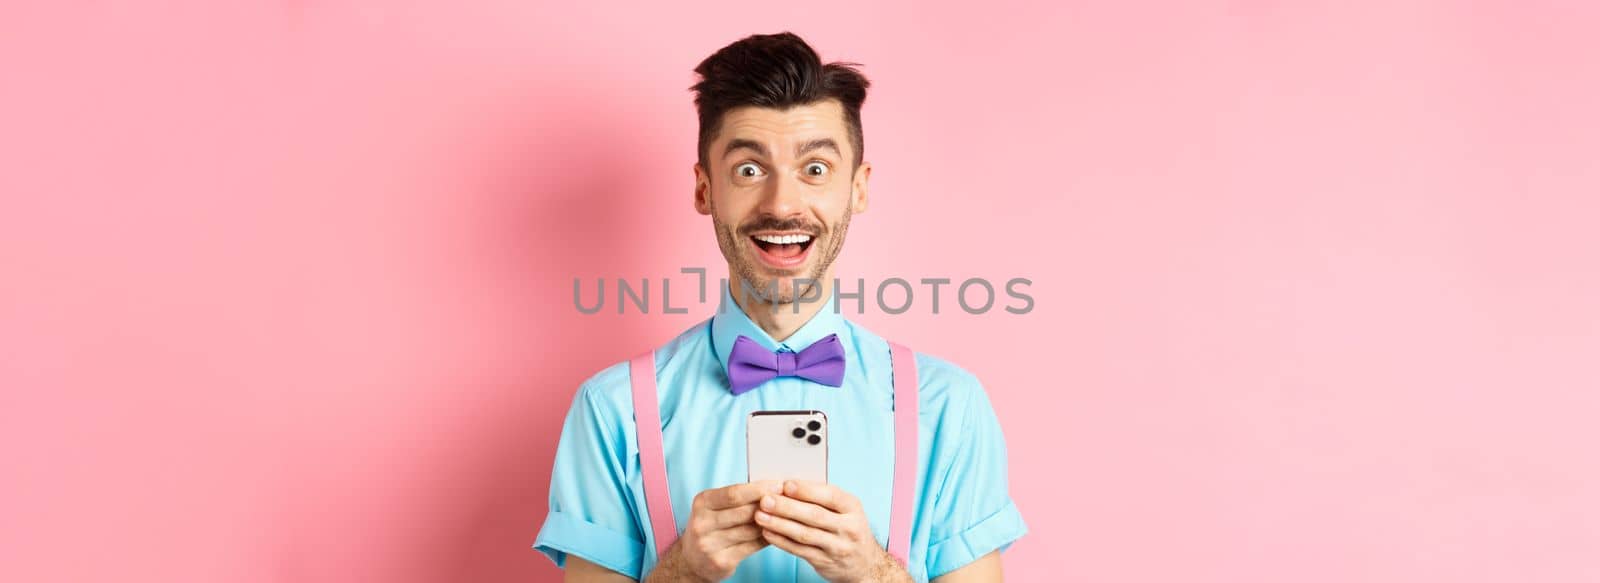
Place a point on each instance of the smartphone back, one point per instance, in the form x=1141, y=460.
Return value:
x=787, y=445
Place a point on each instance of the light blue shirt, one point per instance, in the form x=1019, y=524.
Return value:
x=963, y=509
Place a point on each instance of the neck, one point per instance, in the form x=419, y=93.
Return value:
x=782, y=320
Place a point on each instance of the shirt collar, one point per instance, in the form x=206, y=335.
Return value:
x=730, y=322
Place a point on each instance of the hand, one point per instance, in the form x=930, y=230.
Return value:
x=720, y=534
x=827, y=528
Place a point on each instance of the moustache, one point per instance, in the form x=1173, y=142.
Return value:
x=785, y=225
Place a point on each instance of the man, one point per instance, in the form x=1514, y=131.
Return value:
x=780, y=172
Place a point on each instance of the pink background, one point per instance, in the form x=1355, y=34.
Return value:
x=286, y=286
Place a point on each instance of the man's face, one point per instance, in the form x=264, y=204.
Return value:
x=780, y=190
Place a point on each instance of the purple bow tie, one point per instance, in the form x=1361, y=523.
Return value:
x=750, y=365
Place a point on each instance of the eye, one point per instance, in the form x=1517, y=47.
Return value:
x=816, y=169
x=747, y=170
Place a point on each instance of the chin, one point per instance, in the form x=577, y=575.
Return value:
x=786, y=286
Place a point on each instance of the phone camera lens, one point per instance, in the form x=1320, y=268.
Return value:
x=798, y=432
x=815, y=439
x=814, y=425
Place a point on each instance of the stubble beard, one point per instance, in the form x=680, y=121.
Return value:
x=758, y=283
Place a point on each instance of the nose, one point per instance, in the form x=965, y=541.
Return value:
x=784, y=197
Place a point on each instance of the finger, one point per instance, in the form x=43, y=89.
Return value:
x=732, y=517
x=800, y=533
x=805, y=512
x=811, y=554
x=822, y=494
x=739, y=552
x=737, y=535
x=735, y=495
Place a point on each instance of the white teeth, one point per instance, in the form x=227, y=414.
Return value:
x=783, y=239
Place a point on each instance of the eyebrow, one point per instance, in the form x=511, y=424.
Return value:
x=818, y=144
x=743, y=144
x=800, y=150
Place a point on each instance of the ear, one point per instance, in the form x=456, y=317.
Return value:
x=702, y=190
x=858, y=188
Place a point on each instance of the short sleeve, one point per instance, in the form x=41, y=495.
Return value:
x=973, y=514
x=590, y=512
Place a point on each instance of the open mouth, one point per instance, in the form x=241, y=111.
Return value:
x=782, y=250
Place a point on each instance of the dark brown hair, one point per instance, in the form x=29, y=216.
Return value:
x=778, y=71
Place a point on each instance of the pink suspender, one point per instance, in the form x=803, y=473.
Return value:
x=652, y=461
x=905, y=451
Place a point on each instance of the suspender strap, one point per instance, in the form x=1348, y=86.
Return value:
x=905, y=451
x=652, y=462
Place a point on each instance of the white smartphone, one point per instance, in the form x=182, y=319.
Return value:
x=787, y=445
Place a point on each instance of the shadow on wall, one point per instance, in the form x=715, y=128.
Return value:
x=563, y=204
x=552, y=191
